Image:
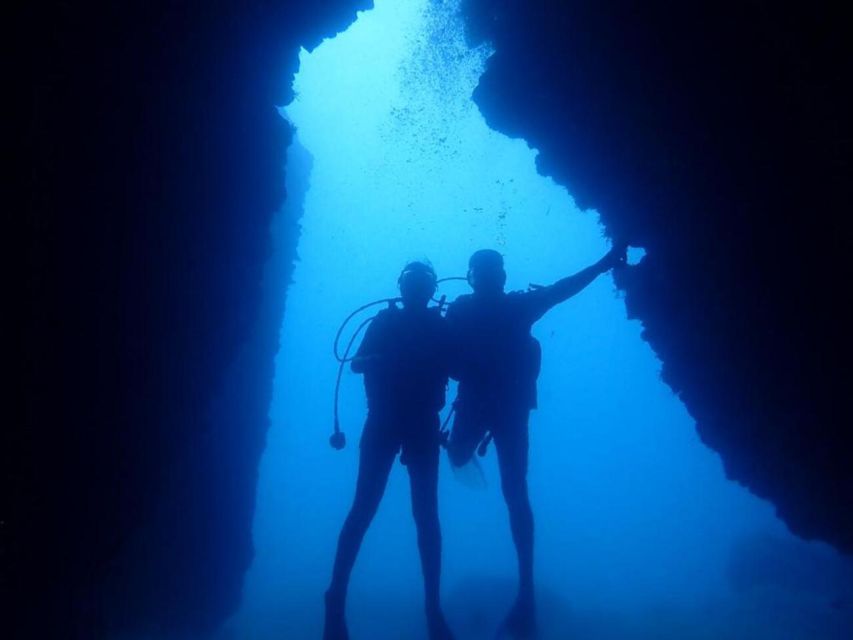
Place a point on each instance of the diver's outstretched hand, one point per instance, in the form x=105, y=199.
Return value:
x=616, y=257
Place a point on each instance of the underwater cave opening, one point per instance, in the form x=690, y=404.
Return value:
x=637, y=527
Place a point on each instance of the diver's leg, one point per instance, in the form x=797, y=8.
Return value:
x=373, y=468
x=511, y=442
x=422, y=465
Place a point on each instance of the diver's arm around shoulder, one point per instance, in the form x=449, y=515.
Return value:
x=447, y=347
x=456, y=328
x=457, y=307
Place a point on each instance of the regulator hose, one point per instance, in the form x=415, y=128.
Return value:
x=338, y=357
x=338, y=439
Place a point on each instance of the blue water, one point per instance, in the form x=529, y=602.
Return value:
x=635, y=519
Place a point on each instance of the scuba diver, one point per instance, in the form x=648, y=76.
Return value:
x=404, y=358
x=497, y=364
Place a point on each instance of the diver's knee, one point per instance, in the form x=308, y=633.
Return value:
x=516, y=496
x=514, y=484
x=426, y=516
x=359, y=517
x=428, y=532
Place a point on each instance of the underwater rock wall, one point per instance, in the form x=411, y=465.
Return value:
x=715, y=136
x=156, y=162
x=718, y=137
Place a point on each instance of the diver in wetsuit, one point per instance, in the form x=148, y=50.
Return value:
x=404, y=358
x=497, y=363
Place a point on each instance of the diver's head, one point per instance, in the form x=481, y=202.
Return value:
x=486, y=271
x=417, y=284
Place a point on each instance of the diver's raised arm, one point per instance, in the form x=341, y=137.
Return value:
x=564, y=289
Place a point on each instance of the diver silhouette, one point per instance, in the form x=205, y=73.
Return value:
x=404, y=358
x=497, y=363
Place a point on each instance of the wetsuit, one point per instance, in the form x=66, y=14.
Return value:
x=403, y=357
x=497, y=362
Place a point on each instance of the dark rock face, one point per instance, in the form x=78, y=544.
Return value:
x=718, y=137
x=761, y=560
x=156, y=162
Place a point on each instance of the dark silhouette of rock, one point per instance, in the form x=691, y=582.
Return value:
x=764, y=560
x=154, y=162
x=718, y=138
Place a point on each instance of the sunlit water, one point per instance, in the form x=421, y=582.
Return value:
x=635, y=520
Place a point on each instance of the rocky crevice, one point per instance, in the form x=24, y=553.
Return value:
x=717, y=138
